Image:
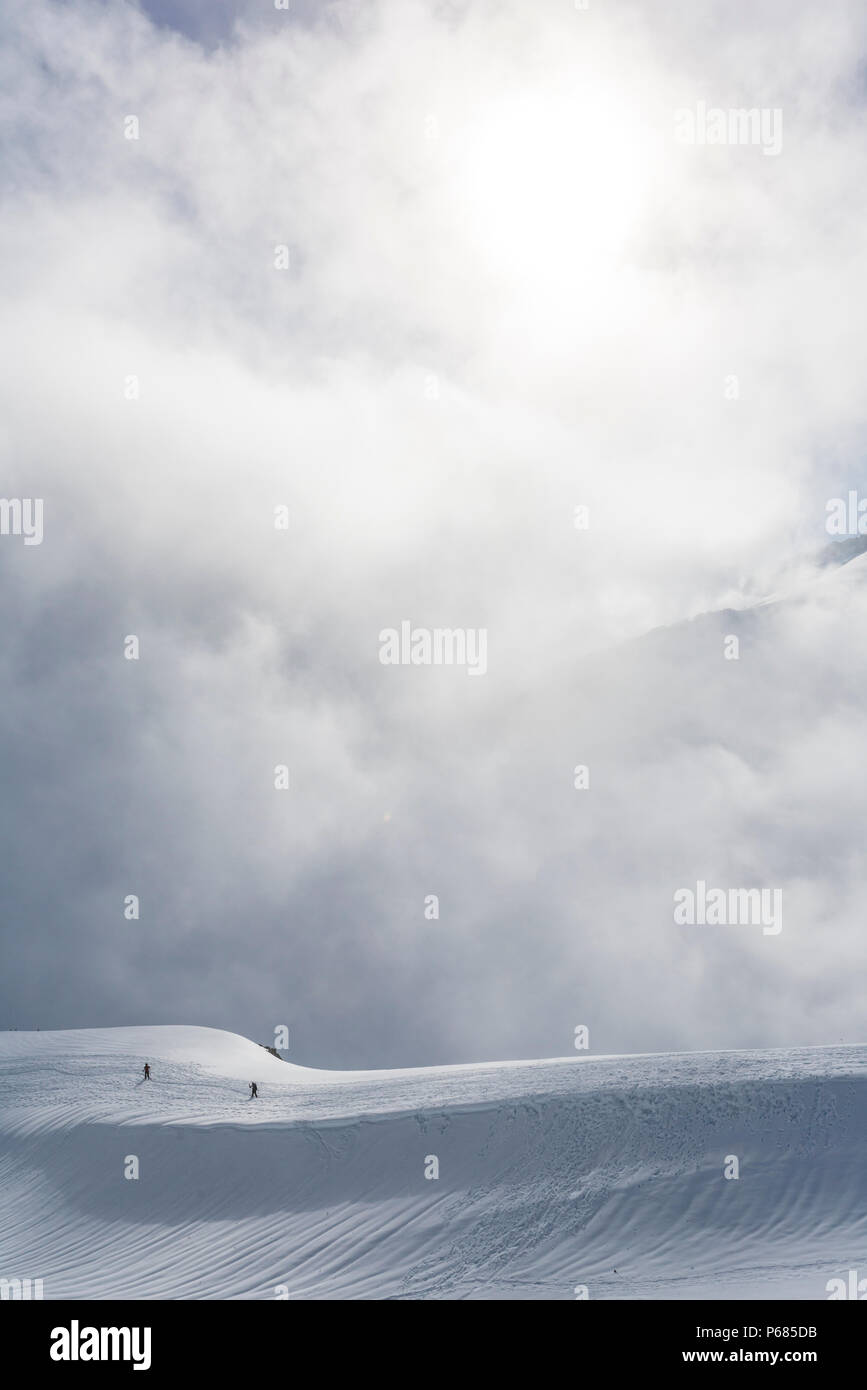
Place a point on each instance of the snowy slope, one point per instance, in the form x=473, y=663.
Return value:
x=553, y=1174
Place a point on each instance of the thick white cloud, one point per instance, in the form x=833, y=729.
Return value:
x=511, y=291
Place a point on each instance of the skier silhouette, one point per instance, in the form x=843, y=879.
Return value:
x=147, y=1071
x=254, y=1090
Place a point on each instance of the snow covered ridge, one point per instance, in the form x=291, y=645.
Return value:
x=728, y=1174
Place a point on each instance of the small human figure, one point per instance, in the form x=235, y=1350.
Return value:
x=254, y=1090
x=147, y=1071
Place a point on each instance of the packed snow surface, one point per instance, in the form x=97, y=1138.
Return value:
x=597, y=1173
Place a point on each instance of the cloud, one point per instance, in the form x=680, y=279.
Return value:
x=509, y=292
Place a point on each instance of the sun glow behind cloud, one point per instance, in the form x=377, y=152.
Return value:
x=552, y=186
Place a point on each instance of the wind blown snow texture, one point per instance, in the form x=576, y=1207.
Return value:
x=552, y=1173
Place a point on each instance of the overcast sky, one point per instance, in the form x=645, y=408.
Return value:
x=431, y=276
